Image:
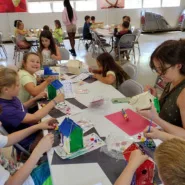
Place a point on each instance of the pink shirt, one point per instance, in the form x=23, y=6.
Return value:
x=65, y=18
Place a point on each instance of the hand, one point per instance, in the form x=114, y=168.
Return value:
x=153, y=134
x=51, y=79
x=150, y=114
x=95, y=75
x=151, y=89
x=44, y=145
x=53, y=56
x=90, y=70
x=59, y=98
x=136, y=159
x=40, y=96
x=48, y=124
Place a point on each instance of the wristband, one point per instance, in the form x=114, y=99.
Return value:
x=55, y=102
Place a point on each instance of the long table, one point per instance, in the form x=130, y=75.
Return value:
x=90, y=173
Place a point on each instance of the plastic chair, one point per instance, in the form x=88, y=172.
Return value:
x=80, y=32
x=137, y=33
x=126, y=44
x=17, y=50
x=64, y=53
x=2, y=48
x=130, y=88
x=131, y=70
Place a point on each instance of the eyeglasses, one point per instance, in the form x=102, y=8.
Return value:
x=161, y=71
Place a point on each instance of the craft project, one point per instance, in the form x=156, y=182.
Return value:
x=57, y=84
x=145, y=173
x=98, y=101
x=49, y=72
x=81, y=77
x=71, y=136
x=134, y=125
x=68, y=89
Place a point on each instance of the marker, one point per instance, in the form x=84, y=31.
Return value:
x=125, y=115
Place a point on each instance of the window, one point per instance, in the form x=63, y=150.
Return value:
x=39, y=7
x=90, y=5
x=58, y=6
x=152, y=3
x=171, y=3
x=133, y=4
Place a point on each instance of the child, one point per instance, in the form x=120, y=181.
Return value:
x=12, y=173
x=46, y=28
x=48, y=49
x=20, y=34
x=124, y=30
x=168, y=60
x=109, y=72
x=169, y=158
x=93, y=21
x=14, y=114
x=58, y=33
x=30, y=65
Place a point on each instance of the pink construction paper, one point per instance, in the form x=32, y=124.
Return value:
x=135, y=124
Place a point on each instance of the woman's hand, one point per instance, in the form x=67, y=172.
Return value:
x=151, y=89
x=153, y=134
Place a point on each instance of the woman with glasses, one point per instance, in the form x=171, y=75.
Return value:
x=168, y=60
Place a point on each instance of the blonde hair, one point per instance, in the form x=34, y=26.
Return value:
x=170, y=159
x=7, y=77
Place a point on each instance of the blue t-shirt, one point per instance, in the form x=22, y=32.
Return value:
x=86, y=29
x=12, y=113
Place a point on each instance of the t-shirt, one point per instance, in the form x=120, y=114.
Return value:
x=8, y=167
x=58, y=34
x=25, y=78
x=86, y=30
x=112, y=73
x=11, y=116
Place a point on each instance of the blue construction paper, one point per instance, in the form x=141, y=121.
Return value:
x=56, y=84
x=48, y=71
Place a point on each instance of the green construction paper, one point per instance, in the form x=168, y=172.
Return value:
x=51, y=92
x=76, y=139
x=157, y=105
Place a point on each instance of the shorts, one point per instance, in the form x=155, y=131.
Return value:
x=71, y=28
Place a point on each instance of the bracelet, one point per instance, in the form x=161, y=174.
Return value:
x=55, y=102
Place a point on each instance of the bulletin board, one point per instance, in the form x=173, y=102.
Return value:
x=105, y=4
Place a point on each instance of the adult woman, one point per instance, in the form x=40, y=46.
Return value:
x=69, y=18
x=168, y=60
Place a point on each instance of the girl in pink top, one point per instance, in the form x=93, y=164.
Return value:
x=69, y=18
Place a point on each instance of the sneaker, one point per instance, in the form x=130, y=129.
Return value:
x=73, y=53
x=70, y=50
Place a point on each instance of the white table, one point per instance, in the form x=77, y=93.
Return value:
x=90, y=174
x=104, y=32
x=31, y=39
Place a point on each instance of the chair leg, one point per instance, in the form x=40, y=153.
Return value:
x=4, y=50
x=134, y=55
x=139, y=49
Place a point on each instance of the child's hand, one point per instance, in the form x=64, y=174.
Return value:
x=51, y=79
x=153, y=134
x=40, y=96
x=44, y=145
x=48, y=124
x=59, y=98
x=136, y=159
x=151, y=89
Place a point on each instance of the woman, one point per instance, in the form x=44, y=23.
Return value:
x=168, y=60
x=69, y=18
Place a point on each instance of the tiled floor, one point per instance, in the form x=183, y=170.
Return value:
x=148, y=42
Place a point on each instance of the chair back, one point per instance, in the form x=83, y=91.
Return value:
x=130, y=88
x=64, y=53
x=80, y=31
x=131, y=70
x=137, y=33
x=127, y=41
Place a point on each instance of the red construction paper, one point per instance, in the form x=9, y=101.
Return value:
x=135, y=124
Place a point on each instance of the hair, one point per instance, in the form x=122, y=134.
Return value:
x=128, y=18
x=18, y=24
x=170, y=160
x=69, y=9
x=87, y=17
x=15, y=22
x=7, y=77
x=170, y=52
x=25, y=58
x=57, y=22
x=107, y=62
x=46, y=28
x=126, y=24
x=52, y=47
x=92, y=18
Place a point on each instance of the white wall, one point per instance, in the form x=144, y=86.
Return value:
x=111, y=16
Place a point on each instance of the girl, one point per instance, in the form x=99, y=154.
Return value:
x=20, y=36
x=168, y=60
x=28, y=82
x=48, y=49
x=58, y=33
x=109, y=72
x=14, y=114
x=12, y=173
x=69, y=18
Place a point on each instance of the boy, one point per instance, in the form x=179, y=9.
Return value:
x=86, y=30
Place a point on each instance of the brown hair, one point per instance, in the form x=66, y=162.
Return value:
x=108, y=64
x=18, y=24
x=57, y=22
x=127, y=17
x=7, y=77
x=25, y=58
x=170, y=52
x=170, y=159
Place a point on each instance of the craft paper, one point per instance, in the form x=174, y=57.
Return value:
x=134, y=125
